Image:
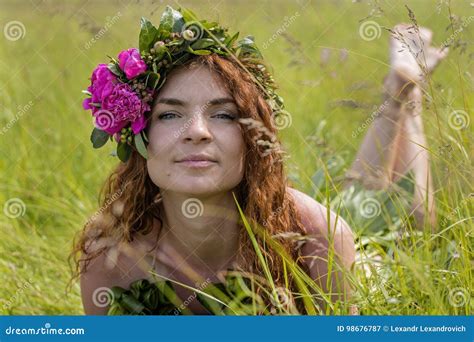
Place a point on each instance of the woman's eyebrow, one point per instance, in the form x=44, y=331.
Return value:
x=171, y=101
x=222, y=100
x=177, y=102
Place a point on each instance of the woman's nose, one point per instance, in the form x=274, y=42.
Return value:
x=197, y=129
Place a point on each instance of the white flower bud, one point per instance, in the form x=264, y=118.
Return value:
x=157, y=46
x=188, y=34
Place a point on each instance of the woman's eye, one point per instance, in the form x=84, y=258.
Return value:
x=166, y=116
x=225, y=116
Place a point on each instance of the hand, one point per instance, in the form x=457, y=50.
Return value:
x=412, y=59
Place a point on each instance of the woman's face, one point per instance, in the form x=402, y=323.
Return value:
x=195, y=145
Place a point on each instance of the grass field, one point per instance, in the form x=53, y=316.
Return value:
x=330, y=75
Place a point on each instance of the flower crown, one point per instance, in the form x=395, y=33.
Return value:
x=122, y=91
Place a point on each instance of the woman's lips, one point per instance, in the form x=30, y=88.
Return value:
x=197, y=160
x=197, y=163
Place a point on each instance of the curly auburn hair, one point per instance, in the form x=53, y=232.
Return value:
x=262, y=193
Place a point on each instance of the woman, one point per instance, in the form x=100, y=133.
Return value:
x=211, y=149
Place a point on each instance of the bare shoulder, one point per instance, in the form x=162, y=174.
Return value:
x=329, y=253
x=112, y=267
x=326, y=229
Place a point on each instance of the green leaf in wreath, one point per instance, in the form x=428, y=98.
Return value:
x=98, y=137
x=117, y=292
x=171, y=20
x=199, y=52
x=123, y=151
x=145, y=138
x=219, y=52
x=115, y=69
x=178, y=21
x=203, y=43
x=161, y=82
x=140, y=145
x=152, y=80
x=247, y=47
x=151, y=298
x=202, y=52
x=132, y=304
x=230, y=40
x=144, y=284
x=148, y=35
x=134, y=292
x=115, y=310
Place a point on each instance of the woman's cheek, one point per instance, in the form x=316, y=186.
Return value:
x=235, y=153
x=160, y=141
x=153, y=144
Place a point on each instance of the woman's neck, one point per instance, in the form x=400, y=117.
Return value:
x=201, y=233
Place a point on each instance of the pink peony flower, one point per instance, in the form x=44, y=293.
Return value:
x=120, y=107
x=131, y=63
x=102, y=84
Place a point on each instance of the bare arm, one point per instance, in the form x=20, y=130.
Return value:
x=330, y=253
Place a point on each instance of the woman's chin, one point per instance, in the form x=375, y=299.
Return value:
x=197, y=187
